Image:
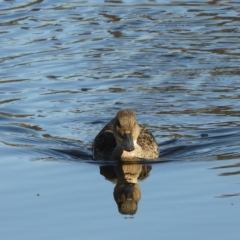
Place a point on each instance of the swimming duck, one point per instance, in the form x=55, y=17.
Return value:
x=124, y=139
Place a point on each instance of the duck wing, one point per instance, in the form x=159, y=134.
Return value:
x=148, y=143
x=104, y=143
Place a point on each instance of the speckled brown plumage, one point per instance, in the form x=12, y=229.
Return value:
x=110, y=142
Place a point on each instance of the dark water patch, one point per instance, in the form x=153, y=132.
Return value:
x=210, y=146
x=15, y=115
x=227, y=168
x=76, y=154
x=230, y=195
x=16, y=129
x=9, y=100
x=230, y=173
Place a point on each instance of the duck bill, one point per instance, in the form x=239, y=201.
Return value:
x=128, y=144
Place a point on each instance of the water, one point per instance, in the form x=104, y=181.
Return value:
x=67, y=67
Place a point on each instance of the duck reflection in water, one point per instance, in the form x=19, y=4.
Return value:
x=127, y=192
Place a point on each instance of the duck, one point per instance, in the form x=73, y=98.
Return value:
x=124, y=139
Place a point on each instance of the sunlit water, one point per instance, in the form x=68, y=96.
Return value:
x=66, y=67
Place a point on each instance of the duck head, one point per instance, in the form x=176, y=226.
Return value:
x=126, y=129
